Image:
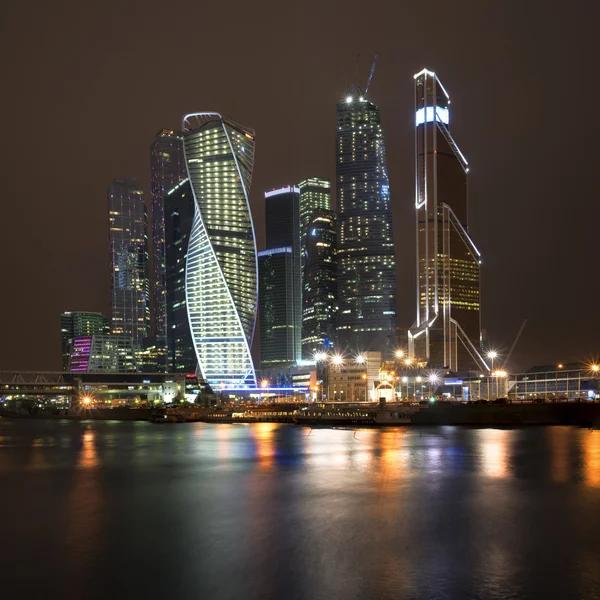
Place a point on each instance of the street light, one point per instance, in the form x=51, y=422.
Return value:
x=337, y=360
x=319, y=356
x=595, y=368
x=399, y=353
x=408, y=362
x=264, y=383
x=360, y=359
x=492, y=354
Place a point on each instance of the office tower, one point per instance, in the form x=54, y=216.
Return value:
x=179, y=208
x=278, y=323
x=128, y=244
x=365, y=247
x=221, y=266
x=319, y=294
x=447, y=331
x=167, y=167
x=77, y=324
x=282, y=221
x=96, y=353
x=315, y=193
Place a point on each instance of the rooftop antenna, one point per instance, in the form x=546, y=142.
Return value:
x=371, y=73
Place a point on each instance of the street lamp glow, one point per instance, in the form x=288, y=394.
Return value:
x=492, y=354
x=419, y=379
x=595, y=368
x=399, y=353
x=408, y=362
x=337, y=359
x=433, y=378
x=361, y=359
x=500, y=373
x=86, y=400
x=264, y=383
x=319, y=356
x=405, y=380
x=348, y=99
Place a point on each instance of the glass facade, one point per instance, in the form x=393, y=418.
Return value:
x=167, y=168
x=80, y=324
x=128, y=246
x=315, y=193
x=278, y=326
x=221, y=264
x=282, y=220
x=447, y=330
x=97, y=353
x=365, y=246
x=319, y=294
x=179, y=216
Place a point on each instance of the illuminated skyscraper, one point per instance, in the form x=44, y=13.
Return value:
x=315, y=193
x=447, y=330
x=78, y=324
x=282, y=220
x=319, y=294
x=128, y=246
x=221, y=264
x=365, y=252
x=167, y=167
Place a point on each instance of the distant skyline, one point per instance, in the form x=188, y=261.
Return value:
x=87, y=96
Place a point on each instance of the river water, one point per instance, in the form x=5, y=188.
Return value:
x=135, y=510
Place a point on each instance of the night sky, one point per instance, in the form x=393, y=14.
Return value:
x=86, y=86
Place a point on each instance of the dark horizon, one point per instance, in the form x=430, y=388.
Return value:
x=87, y=89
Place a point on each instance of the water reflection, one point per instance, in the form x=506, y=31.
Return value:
x=591, y=457
x=494, y=446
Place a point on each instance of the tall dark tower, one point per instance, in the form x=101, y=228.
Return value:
x=167, y=167
x=365, y=254
x=447, y=330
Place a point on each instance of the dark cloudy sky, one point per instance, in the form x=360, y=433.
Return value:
x=86, y=85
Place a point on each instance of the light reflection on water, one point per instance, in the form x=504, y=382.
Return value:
x=275, y=511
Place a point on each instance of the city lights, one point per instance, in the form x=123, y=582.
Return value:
x=264, y=383
x=337, y=360
x=399, y=353
x=320, y=356
x=361, y=359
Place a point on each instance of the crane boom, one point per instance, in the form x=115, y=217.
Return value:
x=371, y=73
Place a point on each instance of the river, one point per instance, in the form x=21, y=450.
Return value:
x=272, y=511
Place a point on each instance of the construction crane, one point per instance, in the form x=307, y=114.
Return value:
x=371, y=74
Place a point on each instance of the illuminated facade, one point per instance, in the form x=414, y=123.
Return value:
x=221, y=265
x=79, y=324
x=128, y=246
x=447, y=330
x=319, y=294
x=315, y=193
x=180, y=209
x=365, y=251
x=167, y=168
x=97, y=353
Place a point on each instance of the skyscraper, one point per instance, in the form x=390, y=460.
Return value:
x=279, y=333
x=78, y=324
x=221, y=265
x=95, y=353
x=365, y=246
x=167, y=167
x=179, y=216
x=128, y=244
x=447, y=330
x=315, y=193
x=282, y=221
x=319, y=294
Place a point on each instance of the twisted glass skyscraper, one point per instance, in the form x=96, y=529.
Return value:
x=221, y=266
x=365, y=254
x=447, y=330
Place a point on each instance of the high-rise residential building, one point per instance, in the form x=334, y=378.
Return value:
x=128, y=244
x=319, y=294
x=221, y=266
x=74, y=324
x=96, y=353
x=315, y=193
x=447, y=330
x=365, y=252
x=180, y=208
x=167, y=167
x=278, y=323
x=282, y=230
